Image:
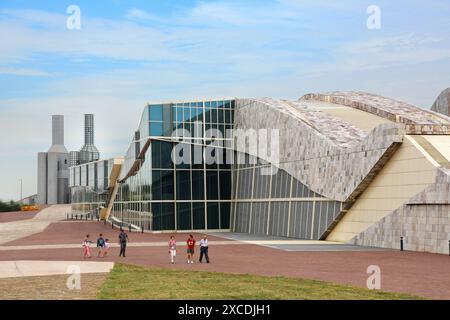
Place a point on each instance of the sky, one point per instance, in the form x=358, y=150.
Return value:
x=128, y=53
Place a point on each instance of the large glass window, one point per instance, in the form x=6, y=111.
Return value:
x=198, y=191
x=224, y=215
x=183, y=185
x=156, y=129
x=213, y=215
x=184, y=216
x=156, y=113
x=161, y=155
x=163, y=216
x=212, y=184
x=198, y=215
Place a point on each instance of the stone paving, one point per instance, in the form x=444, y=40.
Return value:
x=421, y=274
x=17, y=229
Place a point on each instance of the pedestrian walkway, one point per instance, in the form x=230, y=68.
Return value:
x=290, y=244
x=113, y=245
x=10, y=231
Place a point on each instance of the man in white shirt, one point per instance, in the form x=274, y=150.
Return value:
x=204, y=249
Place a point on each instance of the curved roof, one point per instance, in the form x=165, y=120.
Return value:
x=417, y=120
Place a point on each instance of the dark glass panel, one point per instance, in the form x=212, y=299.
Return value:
x=213, y=215
x=208, y=116
x=225, y=185
x=167, y=216
x=213, y=115
x=220, y=116
x=183, y=185
x=198, y=215
x=167, y=191
x=212, y=184
x=184, y=216
x=161, y=155
x=224, y=215
x=198, y=192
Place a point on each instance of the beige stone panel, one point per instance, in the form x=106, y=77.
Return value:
x=407, y=173
x=406, y=178
x=360, y=119
x=441, y=143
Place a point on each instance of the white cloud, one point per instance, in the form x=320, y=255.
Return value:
x=23, y=72
x=141, y=15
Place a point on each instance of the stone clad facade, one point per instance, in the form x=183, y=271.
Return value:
x=424, y=221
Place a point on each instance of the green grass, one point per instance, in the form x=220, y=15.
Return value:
x=133, y=282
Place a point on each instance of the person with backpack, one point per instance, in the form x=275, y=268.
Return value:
x=123, y=238
x=100, y=245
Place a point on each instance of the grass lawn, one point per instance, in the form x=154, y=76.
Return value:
x=134, y=282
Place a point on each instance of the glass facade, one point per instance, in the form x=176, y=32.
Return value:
x=192, y=195
x=278, y=204
x=89, y=185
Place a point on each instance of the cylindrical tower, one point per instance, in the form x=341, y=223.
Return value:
x=88, y=129
x=88, y=152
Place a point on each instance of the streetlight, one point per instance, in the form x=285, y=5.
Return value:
x=20, y=191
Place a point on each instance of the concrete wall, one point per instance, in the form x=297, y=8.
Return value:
x=408, y=172
x=63, y=178
x=42, y=178
x=52, y=178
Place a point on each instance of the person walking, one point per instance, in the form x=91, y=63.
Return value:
x=204, y=249
x=190, y=248
x=87, y=247
x=106, y=248
x=100, y=245
x=123, y=239
x=172, y=249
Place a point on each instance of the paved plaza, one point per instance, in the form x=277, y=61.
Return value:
x=58, y=243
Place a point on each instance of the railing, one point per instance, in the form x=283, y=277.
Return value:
x=80, y=215
x=138, y=220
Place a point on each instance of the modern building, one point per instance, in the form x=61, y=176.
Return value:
x=351, y=167
x=89, y=152
x=53, y=168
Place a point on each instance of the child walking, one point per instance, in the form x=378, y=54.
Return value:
x=172, y=249
x=106, y=247
x=87, y=247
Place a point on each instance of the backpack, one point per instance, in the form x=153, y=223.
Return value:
x=123, y=237
x=100, y=242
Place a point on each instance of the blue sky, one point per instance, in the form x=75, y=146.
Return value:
x=130, y=52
